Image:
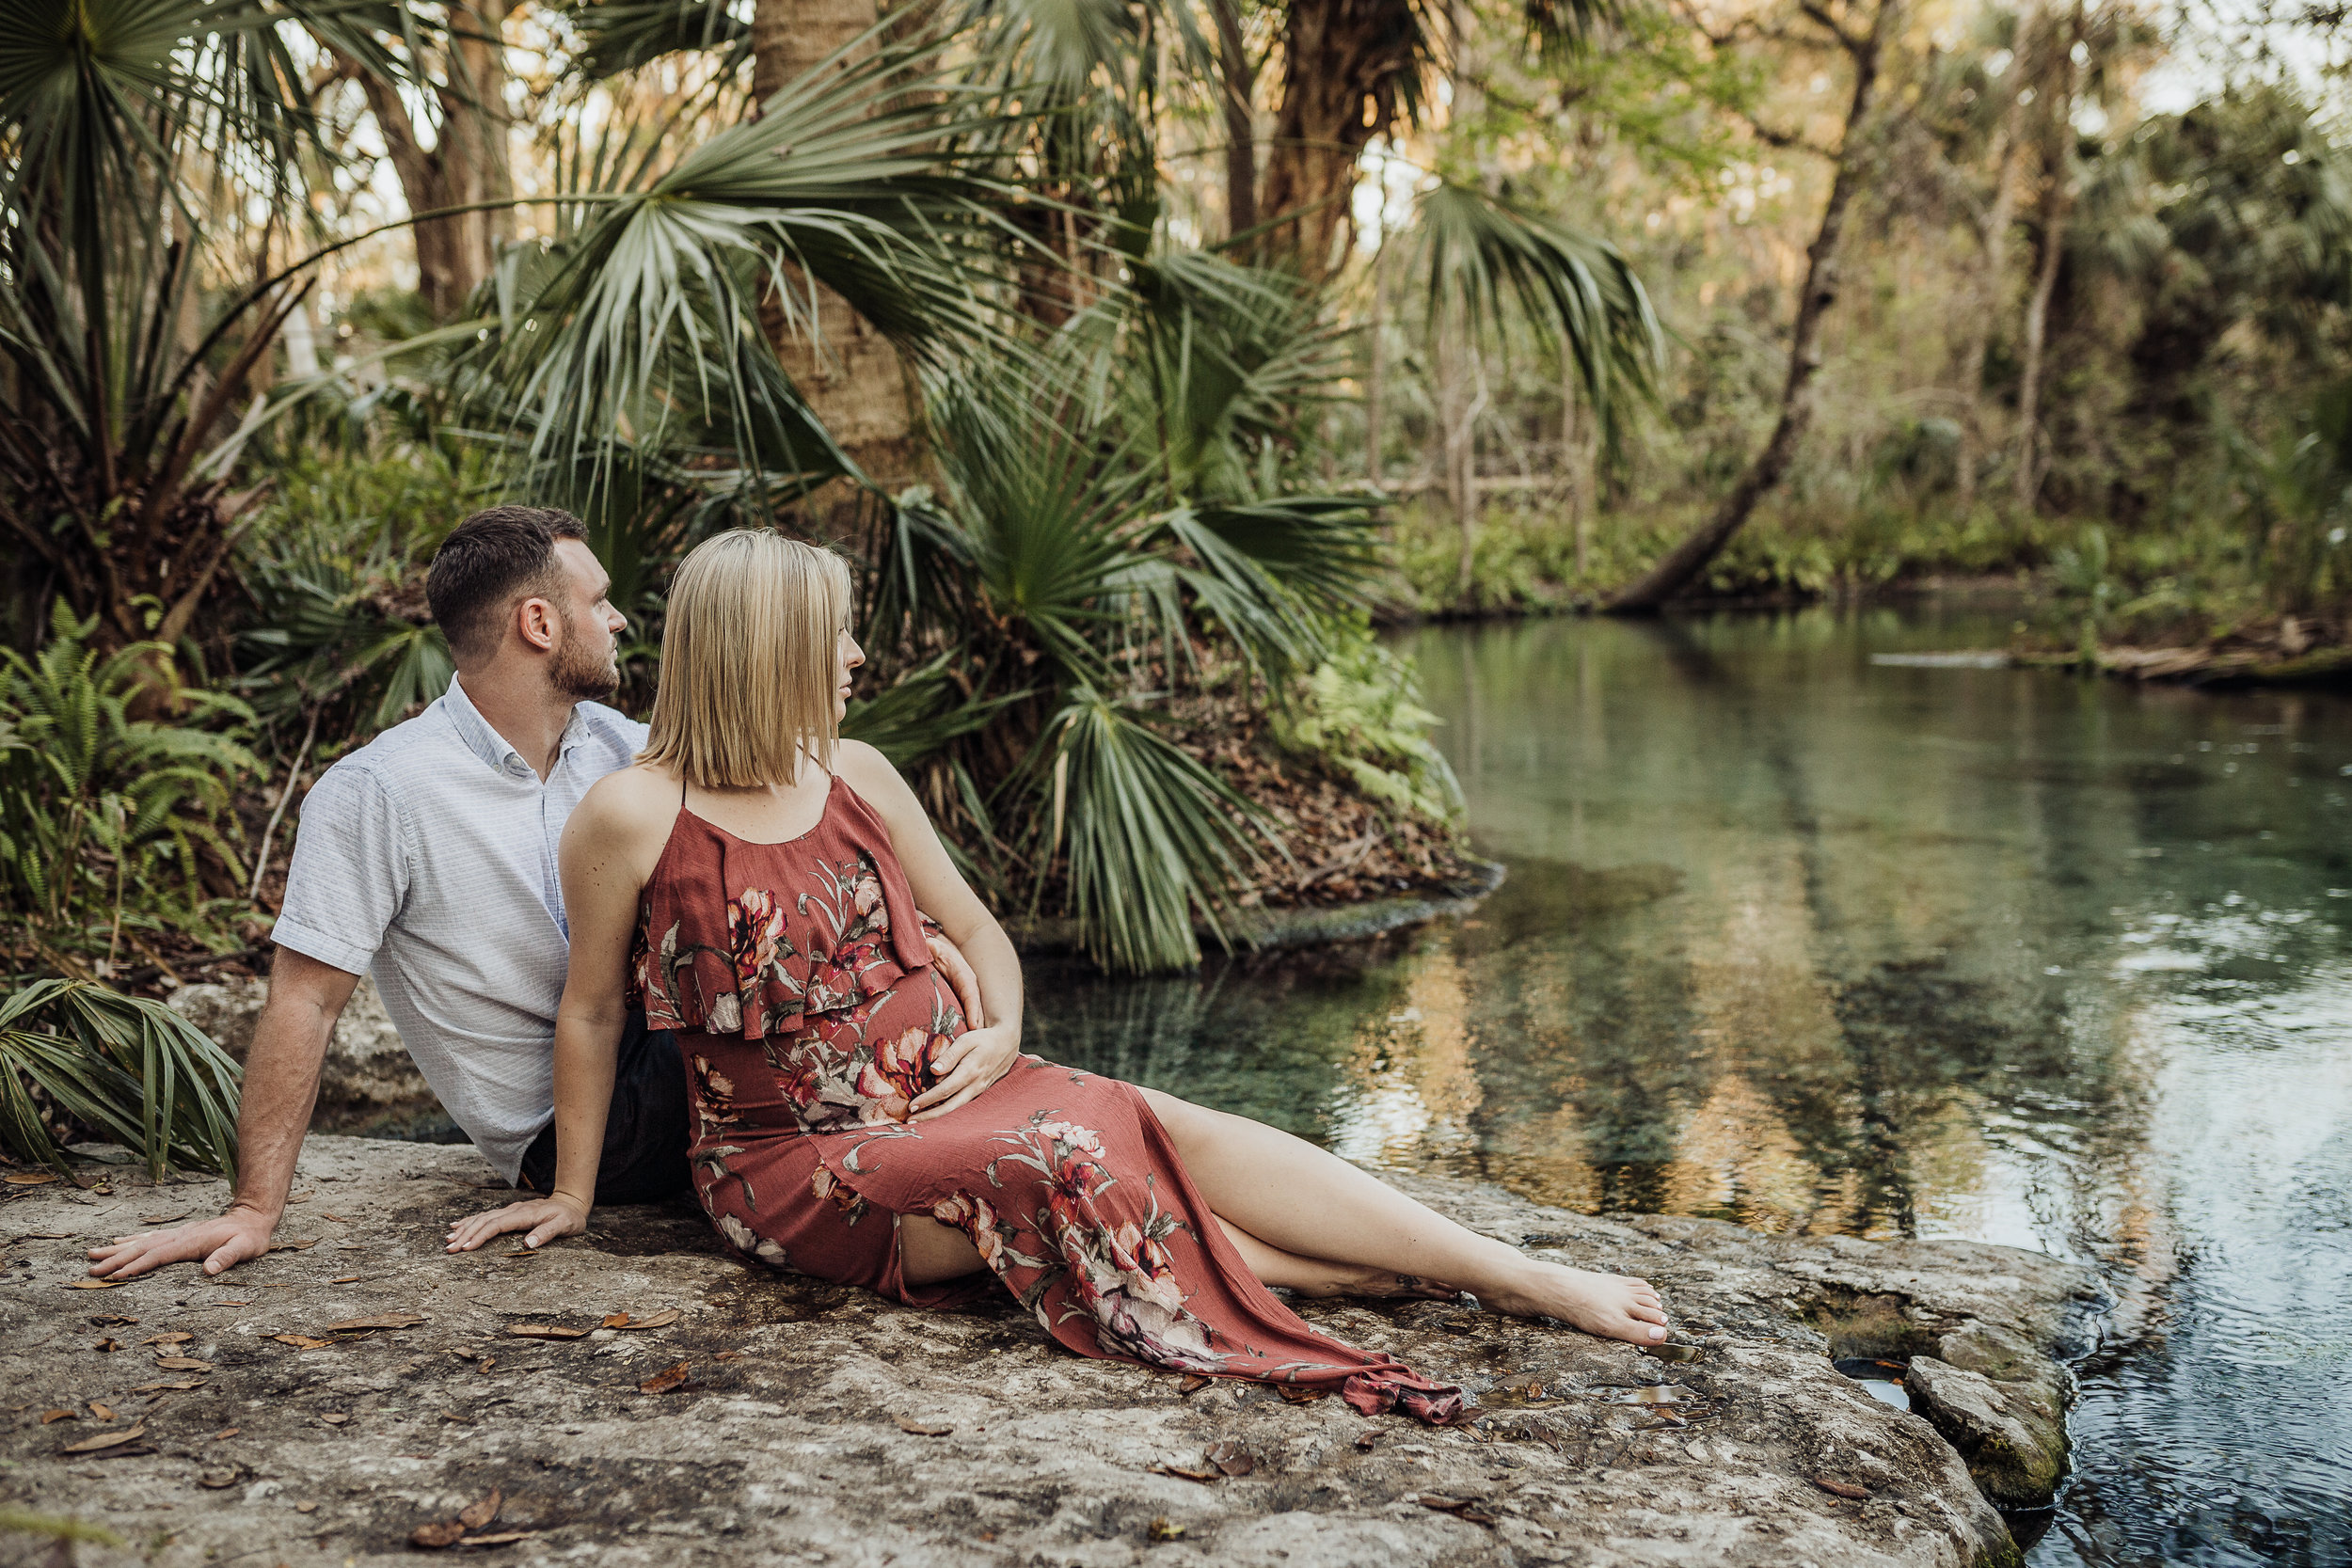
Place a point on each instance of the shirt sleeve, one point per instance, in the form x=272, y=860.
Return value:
x=349, y=875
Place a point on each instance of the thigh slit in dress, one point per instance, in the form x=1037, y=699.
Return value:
x=798, y=980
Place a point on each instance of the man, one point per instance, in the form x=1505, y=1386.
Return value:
x=428, y=856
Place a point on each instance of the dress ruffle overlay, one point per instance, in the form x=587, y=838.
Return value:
x=799, y=985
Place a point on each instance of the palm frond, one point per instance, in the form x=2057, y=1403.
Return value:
x=127, y=1064
x=1154, y=839
x=1492, y=258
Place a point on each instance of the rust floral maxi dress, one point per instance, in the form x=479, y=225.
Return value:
x=800, y=984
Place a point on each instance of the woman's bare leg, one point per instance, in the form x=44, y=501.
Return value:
x=929, y=1252
x=1298, y=1199
x=1320, y=1277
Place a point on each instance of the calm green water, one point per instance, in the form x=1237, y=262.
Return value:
x=1814, y=942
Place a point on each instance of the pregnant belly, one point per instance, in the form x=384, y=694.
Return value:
x=859, y=1066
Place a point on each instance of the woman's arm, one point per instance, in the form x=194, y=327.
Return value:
x=982, y=1055
x=608, y=850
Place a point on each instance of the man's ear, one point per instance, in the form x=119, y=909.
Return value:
x=540, y=624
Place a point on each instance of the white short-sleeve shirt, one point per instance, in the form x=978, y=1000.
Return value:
x=427, y=858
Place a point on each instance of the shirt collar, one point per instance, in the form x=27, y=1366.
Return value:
x=483, y=741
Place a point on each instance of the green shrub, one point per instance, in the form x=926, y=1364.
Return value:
x=1360, y=711
x=103, y=816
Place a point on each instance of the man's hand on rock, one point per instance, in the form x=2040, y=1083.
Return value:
x=544, y=1218
x=241, y=1233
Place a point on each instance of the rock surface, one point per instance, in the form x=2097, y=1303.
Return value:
x=777, y=1420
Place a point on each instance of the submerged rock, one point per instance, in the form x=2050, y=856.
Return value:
x=778, y=1420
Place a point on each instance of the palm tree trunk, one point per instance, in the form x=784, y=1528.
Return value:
x=2058, y=201
x=1687, y=560
x=1341, y=62
x=1240, y=83
x=466, y=164
x=849, y=373
x=1376, y=332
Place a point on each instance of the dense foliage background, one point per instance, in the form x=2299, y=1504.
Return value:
x=1141, y=352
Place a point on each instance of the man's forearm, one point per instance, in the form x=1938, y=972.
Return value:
x=281, y=1087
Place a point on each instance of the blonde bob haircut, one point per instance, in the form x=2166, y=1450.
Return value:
x=747, y=657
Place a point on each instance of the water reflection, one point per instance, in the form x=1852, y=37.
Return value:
x=1815, y=944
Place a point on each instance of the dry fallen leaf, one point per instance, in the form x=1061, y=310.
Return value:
x=478, y=1513
x=334, y=1419
x=306, y=1507
x=337, y=1218
x=224, y=1433
x=107, y=1440
x=544, y=1331
x=1367, y=1441
x=1205, y=1473
x=453, y=1415
x=167, y=1388
x=49, y=1416
x=294, y=1246
x=183, y=1364
x=503, y=1538
x=614, y=1319
x=103, y=1412
x=521, y=1252
x=924, y=1429
x=92, y=1284
x=163, y=1219
x=302, y=1341
x=105, y=1345
x=1841, y=1488
x=1441, y=1503
x=1231, y=1458
x=30, y=1179
x=665, y=1380
x=1193, y=1384
x=443, y=1533
x=385, y=1320
x=218, y=1480
x=346, y=1279
x=174, y=1339
x=1298, y=1395
x=659, y=1319
x=43, y=1236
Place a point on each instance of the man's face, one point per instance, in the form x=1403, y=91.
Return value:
x=587, y=663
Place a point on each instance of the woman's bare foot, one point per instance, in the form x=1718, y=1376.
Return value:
x=1613, y=1306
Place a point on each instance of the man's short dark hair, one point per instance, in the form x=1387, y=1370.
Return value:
x=486, y=563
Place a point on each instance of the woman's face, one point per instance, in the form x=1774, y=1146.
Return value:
x=846, y=656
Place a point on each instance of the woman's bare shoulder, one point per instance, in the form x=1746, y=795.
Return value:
x=638, y=803
x=869, y=772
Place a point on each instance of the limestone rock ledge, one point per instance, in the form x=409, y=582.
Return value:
x=818, y=1424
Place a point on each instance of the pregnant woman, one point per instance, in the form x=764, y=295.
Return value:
x=758, y=882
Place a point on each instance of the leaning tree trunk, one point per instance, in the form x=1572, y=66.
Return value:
x=1341, y=62
x=1686, y=560
x=848, y=371
x=2058, y=201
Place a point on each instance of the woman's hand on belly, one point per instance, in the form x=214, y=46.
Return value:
x=967, y=1066
x=546, y=1218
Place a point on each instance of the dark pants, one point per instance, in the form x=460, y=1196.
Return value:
x=644, y=1133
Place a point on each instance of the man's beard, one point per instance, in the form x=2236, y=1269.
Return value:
x=580, y=676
